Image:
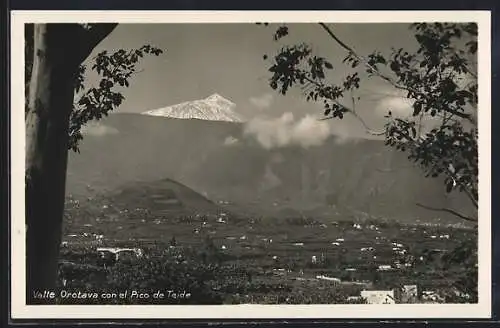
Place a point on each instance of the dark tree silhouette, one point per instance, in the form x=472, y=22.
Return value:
x=55, y=54
x=429, y=78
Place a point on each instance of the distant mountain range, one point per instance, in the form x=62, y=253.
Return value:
x=212, y=108
x=216, y=159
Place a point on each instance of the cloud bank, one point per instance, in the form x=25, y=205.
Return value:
x=398, y=104
x=286, y=131
x=97, y=130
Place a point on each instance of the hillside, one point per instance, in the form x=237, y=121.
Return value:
x=216, y=160
x=163, y=197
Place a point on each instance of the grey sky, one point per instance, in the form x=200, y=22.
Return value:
x=202, y=59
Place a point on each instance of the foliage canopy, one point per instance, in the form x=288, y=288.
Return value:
x=431, y=78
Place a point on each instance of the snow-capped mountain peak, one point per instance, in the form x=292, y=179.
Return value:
x=212, y=108
x=219, y=99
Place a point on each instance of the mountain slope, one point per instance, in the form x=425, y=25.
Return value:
x=163, y=196
x=363, y=176
x=212, y=108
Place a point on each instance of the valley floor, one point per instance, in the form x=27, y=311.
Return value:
x=220, y=259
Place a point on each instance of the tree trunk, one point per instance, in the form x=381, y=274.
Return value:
x=59, y=49
x=50, y=101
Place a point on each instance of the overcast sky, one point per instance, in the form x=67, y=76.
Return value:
x=202, y=59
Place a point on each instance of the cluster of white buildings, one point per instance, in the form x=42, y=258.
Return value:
x=117, y=252
x=378, y=296
x=403, y=295
x=335, y=281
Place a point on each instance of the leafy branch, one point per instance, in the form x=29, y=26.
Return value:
x=429, y=77
x=115, y=70
x=372, y=69
x=451, y=211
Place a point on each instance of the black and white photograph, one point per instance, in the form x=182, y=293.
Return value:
x=257, y=164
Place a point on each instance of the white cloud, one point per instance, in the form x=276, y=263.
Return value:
x=285, y=131
x=399, y=105
x=97, y=129
x=230, y=141
x=262, y=102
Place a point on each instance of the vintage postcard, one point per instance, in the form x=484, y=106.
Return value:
x=230, y=164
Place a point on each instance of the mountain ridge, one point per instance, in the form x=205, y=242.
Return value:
x=366, y=176
x=162, y=196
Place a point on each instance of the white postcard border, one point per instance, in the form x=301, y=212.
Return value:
x=19, y=309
